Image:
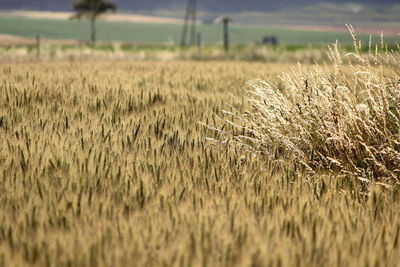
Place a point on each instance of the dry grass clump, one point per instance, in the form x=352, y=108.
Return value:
x=343, y=117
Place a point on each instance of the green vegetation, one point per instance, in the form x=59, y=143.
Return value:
x=166, y=33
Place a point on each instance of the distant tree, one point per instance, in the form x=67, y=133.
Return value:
x=91, y=9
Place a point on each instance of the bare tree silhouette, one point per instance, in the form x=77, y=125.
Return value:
x=91, y=9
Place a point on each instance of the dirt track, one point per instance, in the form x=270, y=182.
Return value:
x=359, y=29
x=7, y=39
x=108, y=17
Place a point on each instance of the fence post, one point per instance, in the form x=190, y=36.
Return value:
x=38, y=46
x=198, y=42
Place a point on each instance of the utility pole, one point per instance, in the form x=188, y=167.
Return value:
x=226, y=35
x=225, y=21
x=190, y=21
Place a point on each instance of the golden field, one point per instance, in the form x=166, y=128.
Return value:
x=107, y=164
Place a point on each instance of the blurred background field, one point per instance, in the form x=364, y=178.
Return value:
x=169, y=33
x=153, y=31
x=65, y=39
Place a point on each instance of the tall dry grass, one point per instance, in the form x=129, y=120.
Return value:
x=340, y=117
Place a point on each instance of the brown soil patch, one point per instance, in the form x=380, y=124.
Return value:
x=387, y=30
x=9, y=40
x=6, y=39
x=108, y=17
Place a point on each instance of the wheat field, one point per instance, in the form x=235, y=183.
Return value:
x=108, y=164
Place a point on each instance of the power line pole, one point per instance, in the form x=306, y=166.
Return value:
x=193, y=28
x=190, y=21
